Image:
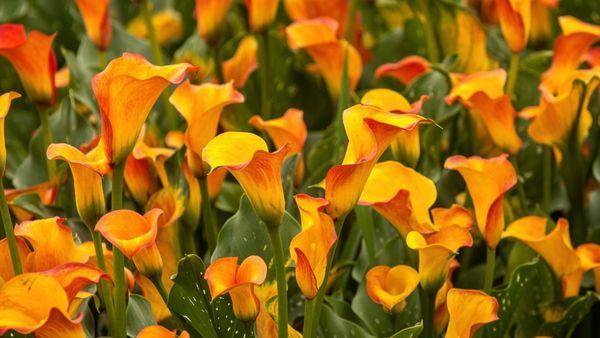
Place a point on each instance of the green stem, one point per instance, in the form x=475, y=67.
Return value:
x=263, y=55
x=342, y=103
x=104, y=286
x=513, y=72
x=422, y=7
x=310, y=326
x=208, y=215
x=158, y=284
x=188, y=241
x=10, y=233
x=119, y=259
x=427, y=310
x=47, y=134
x=520, y=189
x=349, y=33
x=217, y=60
x=279, y=261
x=364, y=218
x=547, y=176
x=101, y=59
x=490, y=265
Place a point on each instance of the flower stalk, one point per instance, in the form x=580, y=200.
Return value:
x=208, y=215
x=279, y=262
x=10, y=233
x=119, y=259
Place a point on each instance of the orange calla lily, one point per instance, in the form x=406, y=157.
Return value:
x=406, y=70
x=247, y=158
x=555, y=247
x=288, y=129
x=5, y=101
x=487, y=181
x=370, y=130
x=441, y=315
x=139, y=179
x=167, y=25
x=266, y=322
x=318, y=37
x=243, y=63
x=406, y=146
x=157, y=155
x=126, y=91
x=37, y=303
x=491, y=110
x=159, y=309
x=391, y=286
x=436, y=251
x=225, y=276
x=589, y=257
x=210, y=16
x=469, y=310
x=6, y=268
x=170, y=201
x=401, y=195
x=87, y=180
x=135, y=236
x=96, y=18
x=310, y=248
x=515, y=22
x=455, y=215
x=542, y=22
x=300, y=10
x=157, y=331
x=73, y=277
x=46, y=191
x=261, y=13
x=33, y=59
x=201, y=106
x=52, y=243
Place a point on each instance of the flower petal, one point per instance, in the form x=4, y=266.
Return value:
x=469, y=310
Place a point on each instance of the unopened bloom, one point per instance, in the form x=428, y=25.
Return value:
x=224, y=275
x=391, y=286
x=487, y=181
x=247, y=157
x=243, y=62
x=96, y=18
x=210, y=16
x=515, y=22
x=468, y=311
x=310, y=248
x=5, y=101
x=33, y=59
x=261, y=13
x=167, y=27
x=405, y=70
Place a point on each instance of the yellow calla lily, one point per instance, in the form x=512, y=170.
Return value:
x=126, y=91
x=243, y=62
x=5, y=101
x=201, y=107
x=157, y=331
x=487, y=181
x=401, y=195
x=441, y=315
x=167, y=25
x=491, y=110
x=6, y=268
x=261, y=13
x=310, y=248
x=210, y=16
x=33, y=59
x=159, y=309
x=225, y=276
x=589, y=257
x=391, y=286
x=515, y=22
x=96, y=18
x=468, y=311
x=246, y=157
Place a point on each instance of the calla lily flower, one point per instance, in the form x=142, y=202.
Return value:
x=401, y=195
x=6, y=268
x=159, y=309
x=139, y=179
x=441, y=315
x=52, y=242
x=288, y=129
x=370, y=131
x=300, y=10
x=5, y=101
x=515, y=22
x=96, y=18
x=436, y=251
x=555, y=247
x=541, y=23
x=126, y=91
x=201, y=107
x=73, y=277
x=318, y=37
x=37, y=303
x=33, y=59
x=167, y=25
x=210, y=16
x=157, y=155
x=406, y=70
x=406, y=146
x=225, y=276
x=261, y=13
x=491, y=110
x=135, y=236
x=46, y=191
x=487, y=181
x=88, y=249
x=87, y=170
x=469, y=310
x=246, y=156
x=455, y=215
x=589, y=257
x=243, y=62
x=310, y=248
x=266, y=322
x=391, y=286
x=157, y=331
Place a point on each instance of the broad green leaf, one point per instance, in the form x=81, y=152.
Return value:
x=574, y=312
x=333, y=325
x=410, y=332
x=139, y=315
x=226, y=324
x=229, y=197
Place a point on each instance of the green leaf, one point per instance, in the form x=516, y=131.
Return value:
x=410, y=332
x=574, y=312
x=139, y=315
x=229, y=198
x=244, y=234
x=190, y=296
x=226, y=323
x=333, y=325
